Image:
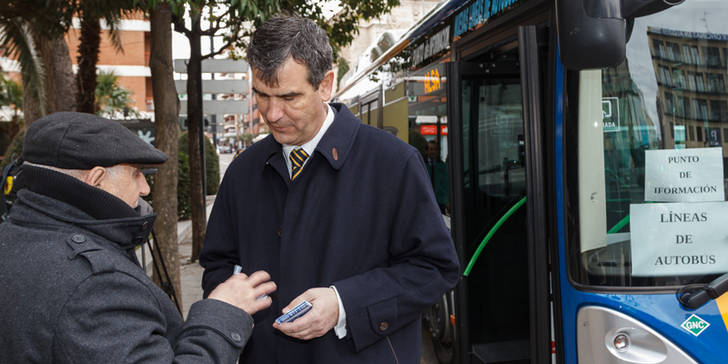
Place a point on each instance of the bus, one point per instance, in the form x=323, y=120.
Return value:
x=582, y=150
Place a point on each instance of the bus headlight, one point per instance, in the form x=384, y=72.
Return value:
x=621, y=342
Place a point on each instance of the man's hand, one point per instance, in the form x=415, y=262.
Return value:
x=318, y=321
x=243, y=292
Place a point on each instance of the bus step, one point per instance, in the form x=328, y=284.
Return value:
x=515, y=351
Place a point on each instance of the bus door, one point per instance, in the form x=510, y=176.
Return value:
x=502, y=312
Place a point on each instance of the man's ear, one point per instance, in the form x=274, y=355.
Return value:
x=95, y=176
x=326, y=86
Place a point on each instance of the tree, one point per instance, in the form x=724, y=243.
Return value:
x=166, y=105
x=91, y=12
x=17, y=40
x=32, y=32
x=111, y=98
x=11, y=95
x=230, y=20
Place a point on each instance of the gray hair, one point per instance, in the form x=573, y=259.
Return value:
x=79, y=174
x=283, y=37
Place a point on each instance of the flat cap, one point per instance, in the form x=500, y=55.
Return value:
x=73, y=140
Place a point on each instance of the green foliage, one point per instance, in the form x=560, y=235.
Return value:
x=15, y=149
x=343, y=69
x=212, y=172
x=11, y=94
x=184, y=210
x=111, y=98
x=17, y=42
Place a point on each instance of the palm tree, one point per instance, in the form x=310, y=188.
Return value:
x=17, y=40
x=91, y=12
x=111, y=98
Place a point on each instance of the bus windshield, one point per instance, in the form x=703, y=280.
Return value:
x=647, y=148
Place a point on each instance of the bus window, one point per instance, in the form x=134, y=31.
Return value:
x=647, y=199
x=427, y=115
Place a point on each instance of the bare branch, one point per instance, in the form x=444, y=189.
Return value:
x=179, y=26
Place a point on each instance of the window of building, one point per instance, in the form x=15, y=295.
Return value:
x=715, y=82
x=678, y=77
x=691, y=133
x=669, y=104
x=673, y=51
x=658, y=48
x=712, y=55
x=695, y=55
x=702, y=109
x=692, y=85
x=700, y=82
x=680, y=106
x=699, y=133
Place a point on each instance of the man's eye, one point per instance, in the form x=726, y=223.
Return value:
x=289, y=98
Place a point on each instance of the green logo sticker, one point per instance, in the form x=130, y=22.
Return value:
x=695, y=325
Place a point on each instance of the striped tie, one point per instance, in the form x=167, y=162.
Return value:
x=297, y=157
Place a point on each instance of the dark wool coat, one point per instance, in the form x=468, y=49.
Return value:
x=361, y=216
x=72, y=292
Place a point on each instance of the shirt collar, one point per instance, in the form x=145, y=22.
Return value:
x=310, y=146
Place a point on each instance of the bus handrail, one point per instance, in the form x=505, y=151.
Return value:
x=492, y=232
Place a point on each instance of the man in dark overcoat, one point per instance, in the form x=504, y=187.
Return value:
x=71, y=288
x=341, y=215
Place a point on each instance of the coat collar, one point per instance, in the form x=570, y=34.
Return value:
x=53, y=199
x=335, y=146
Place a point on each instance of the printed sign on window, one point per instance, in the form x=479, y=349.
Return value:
x=684, y=175
x=679, y=238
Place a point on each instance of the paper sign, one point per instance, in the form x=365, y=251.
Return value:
x=679, y=238
x=684, y=175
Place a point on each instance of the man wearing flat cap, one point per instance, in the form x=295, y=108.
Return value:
x=71, y=289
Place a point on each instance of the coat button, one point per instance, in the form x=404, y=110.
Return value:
x=383, y=326
x=279, y=232
x=235, y=336
x=78, y=238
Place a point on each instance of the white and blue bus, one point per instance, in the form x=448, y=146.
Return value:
x=582, y=150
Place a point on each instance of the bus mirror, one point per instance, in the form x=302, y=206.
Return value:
x=592, y=33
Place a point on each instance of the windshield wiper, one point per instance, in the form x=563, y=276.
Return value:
x=694, y=298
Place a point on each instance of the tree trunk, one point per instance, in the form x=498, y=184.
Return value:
x=33, y=108
x=194, y=130
x=166, y=130
x=58, y=74
x=88, y=57
x=63, y=74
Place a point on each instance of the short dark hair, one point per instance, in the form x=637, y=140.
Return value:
x=283, y=37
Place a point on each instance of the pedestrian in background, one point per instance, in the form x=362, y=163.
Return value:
x=339, y=213
x=71, y=288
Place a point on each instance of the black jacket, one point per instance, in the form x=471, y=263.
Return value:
x=71, y=290
x=361, y=216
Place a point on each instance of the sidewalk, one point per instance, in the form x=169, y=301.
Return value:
x=190, y=273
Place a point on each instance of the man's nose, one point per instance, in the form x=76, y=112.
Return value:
x=275, y=110
x=143, y=186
